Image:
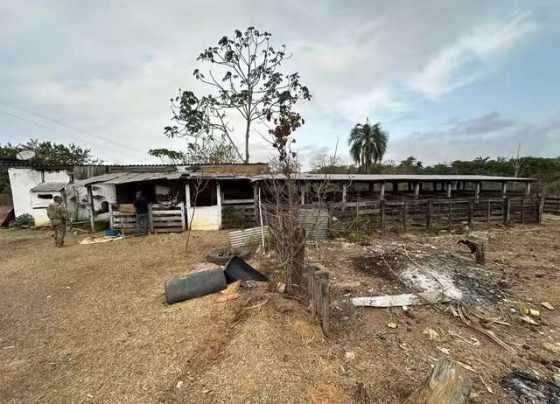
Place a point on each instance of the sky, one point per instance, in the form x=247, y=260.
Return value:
x=447, y=80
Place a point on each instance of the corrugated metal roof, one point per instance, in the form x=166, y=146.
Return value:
x=126, y=177
x=49, y=187
x=97, y=179
x=387, y=177
x=137, y=177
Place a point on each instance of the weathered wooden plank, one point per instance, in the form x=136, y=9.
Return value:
x=409, y=299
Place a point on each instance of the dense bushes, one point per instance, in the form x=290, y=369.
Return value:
x=24, y=221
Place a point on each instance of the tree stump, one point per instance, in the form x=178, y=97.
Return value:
x=447, y=384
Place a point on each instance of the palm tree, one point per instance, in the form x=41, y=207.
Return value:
x=368, y=144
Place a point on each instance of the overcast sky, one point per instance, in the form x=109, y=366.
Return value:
x=447, y=79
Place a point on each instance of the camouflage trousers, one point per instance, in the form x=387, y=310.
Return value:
x=59, y=233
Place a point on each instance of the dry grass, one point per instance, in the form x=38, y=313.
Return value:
x=88, y=323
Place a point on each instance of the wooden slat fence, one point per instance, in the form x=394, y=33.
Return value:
x=432, y=214
x=552, y=204
x=161, y=219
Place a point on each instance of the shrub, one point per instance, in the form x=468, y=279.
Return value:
x=24, y=221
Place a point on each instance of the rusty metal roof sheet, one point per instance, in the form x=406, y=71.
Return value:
x=388, y=177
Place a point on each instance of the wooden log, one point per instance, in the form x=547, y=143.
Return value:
x=447, y=384
x=470, y=218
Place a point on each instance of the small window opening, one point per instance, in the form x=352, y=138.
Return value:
x=45, y=196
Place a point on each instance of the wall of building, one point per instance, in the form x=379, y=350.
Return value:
x=23, y=179
x=205, y=217
x=77, y=198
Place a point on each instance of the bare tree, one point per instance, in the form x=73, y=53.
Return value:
x=517, y=161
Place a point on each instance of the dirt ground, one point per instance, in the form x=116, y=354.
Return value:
x=88, y=323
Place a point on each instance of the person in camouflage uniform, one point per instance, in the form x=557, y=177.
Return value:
x=58, y=216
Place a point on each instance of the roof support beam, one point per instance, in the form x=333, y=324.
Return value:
x=91, y=208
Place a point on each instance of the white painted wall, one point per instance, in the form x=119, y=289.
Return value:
x=205, y=217
x=22, y=180
x=103, y=192
x=40, y=207
x=27, y=202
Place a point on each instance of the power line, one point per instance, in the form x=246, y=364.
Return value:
x=61, y=134
x=64, y=125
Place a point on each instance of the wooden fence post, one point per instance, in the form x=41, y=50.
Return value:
x=310, y=289
x=183, y=217
x=111, y=219
x=151, y=218
x=541, y=208
x=507, y=210
x=488, y=211
x=404, y=215
x=523, y=209
x=450, y=224
x=470, y=218
x=429, y=212
x=325, y=303
x=382, y=210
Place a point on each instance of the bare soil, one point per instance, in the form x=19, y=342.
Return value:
x=88, y=323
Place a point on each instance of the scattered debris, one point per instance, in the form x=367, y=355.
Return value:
x=530, y=312
x=392, y=325
x=409, y=299
x=547, y=305
x=226, y=298
x=552, y=347
x=529, y=389
x=179, y=384
x=349, y=356
x=528, y=320
x=444, y=350
x=465, y=319
x=99, y=239
x=232, y=288
x=280, y=287
x=433, y=335
x=472, y=341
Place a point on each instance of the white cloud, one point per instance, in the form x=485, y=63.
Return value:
x=111, y=70
x=465, y=60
